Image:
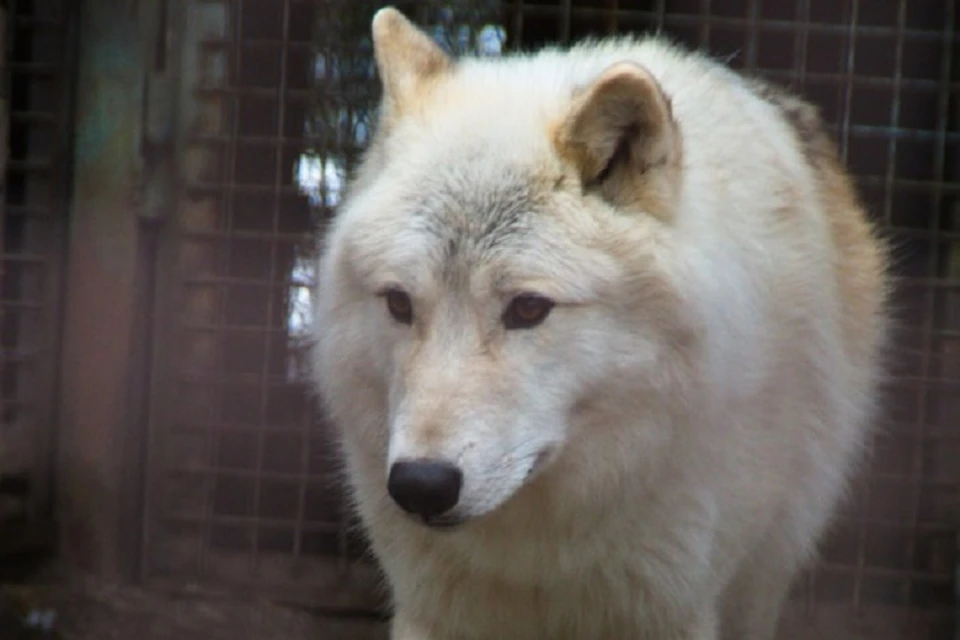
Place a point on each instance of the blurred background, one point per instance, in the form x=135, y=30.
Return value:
x=167, y=167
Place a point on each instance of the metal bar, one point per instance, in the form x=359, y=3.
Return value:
x=895, y=112
x=915, y=84
x=705, y=22
x=225, y=209
x=862, y=529
x=613, y=22
x=36, y=213
x=241, y=234
x=5, y=122
x=207, y=188
x=849, y=69
x=231, y=327
x=659, y=14
x=517, y=22
x=271, y=277
x=801, y=44
x=94, y=181
x=236, y=280
x=252, y=522
x=956, y=590
x=929, y=304
x=226, y=44
x=566, y=14
x=682, y=20
x=754, y=9
x=907, y=575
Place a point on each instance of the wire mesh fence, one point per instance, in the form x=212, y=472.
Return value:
x=35, y=128
x=282, y=93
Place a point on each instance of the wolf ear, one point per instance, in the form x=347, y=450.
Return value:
x=407, y=58
x=621, y=138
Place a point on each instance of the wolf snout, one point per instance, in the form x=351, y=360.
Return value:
x=425, y=487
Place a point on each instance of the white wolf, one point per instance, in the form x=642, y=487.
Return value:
x=600, y=329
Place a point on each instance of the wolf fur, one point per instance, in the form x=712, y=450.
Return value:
x=658, y=458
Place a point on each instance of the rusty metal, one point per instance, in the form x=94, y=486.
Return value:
x=242, y=491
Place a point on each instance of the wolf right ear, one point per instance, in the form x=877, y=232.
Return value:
x=621, y=137
x=407, y=59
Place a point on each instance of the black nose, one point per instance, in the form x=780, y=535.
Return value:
x=425, y=487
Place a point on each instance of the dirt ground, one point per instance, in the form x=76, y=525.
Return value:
x=89, y=609
x=93, y=609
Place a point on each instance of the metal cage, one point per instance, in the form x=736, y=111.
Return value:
x=243, y=489
x=35, y=131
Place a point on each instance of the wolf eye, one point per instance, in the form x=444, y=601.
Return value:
x=399, y=306
x=526, y=311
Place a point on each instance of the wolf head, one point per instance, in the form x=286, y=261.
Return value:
x=494, y=286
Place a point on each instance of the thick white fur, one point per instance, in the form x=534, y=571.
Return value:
x=702, y=389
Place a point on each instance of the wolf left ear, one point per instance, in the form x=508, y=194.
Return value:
x=621, y=138
x=407, y=59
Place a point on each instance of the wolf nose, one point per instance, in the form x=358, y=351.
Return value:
x=425, y=487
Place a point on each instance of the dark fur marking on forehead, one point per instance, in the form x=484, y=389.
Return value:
x=466, y=215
